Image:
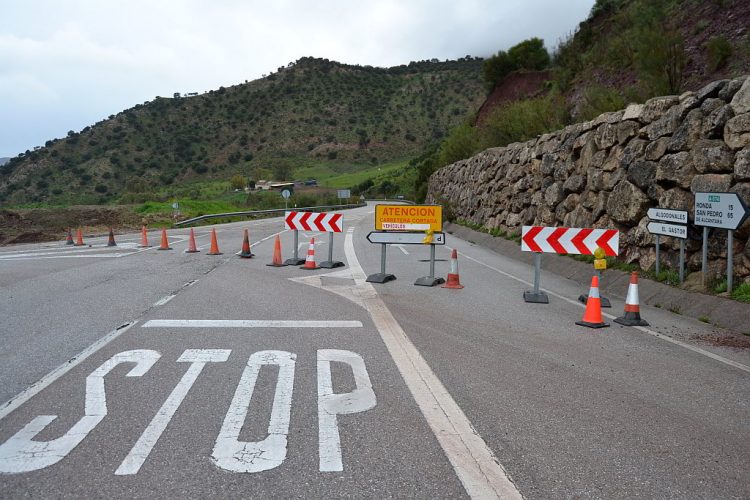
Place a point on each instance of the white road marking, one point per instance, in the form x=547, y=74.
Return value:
x=255, y=456
x=164, y=300
x=612, y=317
x=61, y=370
x=476, y=466
x=248, y=323
x=329, y=404
x=142, y=448
x=21, y=453
x=401, y=247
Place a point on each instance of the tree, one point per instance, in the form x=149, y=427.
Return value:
x=495, y=68
x=237, y=182
x=282, y=171
x=529, y=54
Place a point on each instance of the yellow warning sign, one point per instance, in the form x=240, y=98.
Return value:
x=408, y=218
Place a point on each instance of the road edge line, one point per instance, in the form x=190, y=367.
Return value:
x=38, y=386
x=476, y=466
x=658, y=335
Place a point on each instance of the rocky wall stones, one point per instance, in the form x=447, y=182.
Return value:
x=607, y=172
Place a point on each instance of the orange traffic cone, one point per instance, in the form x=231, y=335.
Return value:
x=144, y=238
x=453, y=281
x=245, y=252
x=79, y=238
x=191, y=243
x=592, y=317
x=164, y=241
x=214, y=250
x=632, y=316
x=310, y=260
x=111, y=241
x=69, y=241
x=276, y=254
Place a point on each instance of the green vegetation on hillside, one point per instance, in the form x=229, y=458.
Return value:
x=312, y=115
x=625, y=51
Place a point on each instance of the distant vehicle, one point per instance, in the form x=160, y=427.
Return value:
x=399, y=196
x=311, y=182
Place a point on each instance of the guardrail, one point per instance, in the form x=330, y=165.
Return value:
x=251, y=213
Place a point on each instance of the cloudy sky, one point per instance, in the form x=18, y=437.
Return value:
x=68, y=64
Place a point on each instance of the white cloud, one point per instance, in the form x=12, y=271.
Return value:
x=64, y=65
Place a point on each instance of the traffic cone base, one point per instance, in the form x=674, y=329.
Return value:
x=592, y=317
x=310, y=260
x=453, y=279
x=277, y=254
x=245, y=252
x=191, y=243
x=214, y=250
x=632, y=315
x=164, y=241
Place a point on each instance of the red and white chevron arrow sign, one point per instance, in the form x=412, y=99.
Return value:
x=571, y=240
x=310, y=221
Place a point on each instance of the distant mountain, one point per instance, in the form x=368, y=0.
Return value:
x=3, y=161
x=311, y=112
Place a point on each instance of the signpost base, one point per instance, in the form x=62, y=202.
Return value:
x=294, y=261
x=429, y=281
x=330, y=264
x=380, y=278
x=536, y=298
x=604, y=300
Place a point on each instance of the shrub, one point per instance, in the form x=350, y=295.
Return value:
x=718, y=51
x=523, y=120
x=101, y=188
x=462, y=142
x=598, y=100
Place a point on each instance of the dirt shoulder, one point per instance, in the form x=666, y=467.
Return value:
x=49, y=224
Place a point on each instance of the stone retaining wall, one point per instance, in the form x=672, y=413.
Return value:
x=606, y=173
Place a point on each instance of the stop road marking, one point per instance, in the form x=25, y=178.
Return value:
x=22, y=454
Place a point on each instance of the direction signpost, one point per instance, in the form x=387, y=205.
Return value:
x=723, y=211
x=565, y=240
x=678, y=230
x=411, y=225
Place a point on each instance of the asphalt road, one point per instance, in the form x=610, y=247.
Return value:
x=133, y=373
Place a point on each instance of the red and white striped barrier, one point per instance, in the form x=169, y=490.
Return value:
x=311, y=221
x=569, y=240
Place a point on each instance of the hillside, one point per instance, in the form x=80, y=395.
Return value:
x=313, y=112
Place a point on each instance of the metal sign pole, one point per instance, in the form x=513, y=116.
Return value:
x=295, y=260
x=730, y=266
x=330, y=263
x=382, y=276
x=330, y=247
x=536, y=296
x=430, y=280
x=704, y=258
x=657, y=256
x=682, y=260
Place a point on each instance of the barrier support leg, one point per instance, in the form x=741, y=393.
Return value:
x=430, y=280
x=382, y=276
x=330, y=263
x=295, y=260
x=536, y=296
